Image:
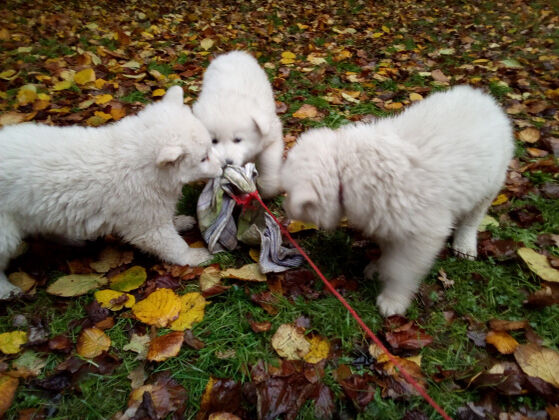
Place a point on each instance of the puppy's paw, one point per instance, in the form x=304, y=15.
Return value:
x=183, y=223
x=370, y=270
x=465, y=252
x=7, y=289
x=197, y=256
x=392, y=304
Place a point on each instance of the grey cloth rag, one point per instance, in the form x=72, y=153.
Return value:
x=255, y=227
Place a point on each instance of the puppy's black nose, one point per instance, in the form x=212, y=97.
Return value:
x=228, y=161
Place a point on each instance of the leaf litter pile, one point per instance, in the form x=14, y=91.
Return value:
x=106, y=332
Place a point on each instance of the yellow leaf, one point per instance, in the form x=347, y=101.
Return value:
x=111, y=258
x=11, y=342
x=501, y=199
x=99, y=83
x=378, y=34
x=529, y=135
x=297, y=226
x=76, y=284
x=130, y=279
x=22, y=280
x=7, y=75
x=287, y=54
x=191, y=311
x=486, y=222
x=159, y=308
x=319, y=350
x=113, y=300
x=158, y=92
x=290, y=342
x=316, y=60
x=287, y=57
x=8, y=387
x=26, y=94
x=415, y=97
x=63, y=110
x=103, y=115
x=539, y=362
x=207, y=43
x=502, y=341
x=210, y=277
x=85, y=76
x=306, y=111
x=103, y=99
x=165, y=346
x=62, y=85
x=254, y=254
x=43, y=97
x=393, y=106
x=117, y=111
x=385, y=29
x=249, y=272
x=302, y=26
x=92, y=342
x=539, y=264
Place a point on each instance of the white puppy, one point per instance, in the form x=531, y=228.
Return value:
x=406, y=182
x=123, y=178
x=237, y=107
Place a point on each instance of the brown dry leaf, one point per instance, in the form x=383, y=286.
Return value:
x=539, y=264
x=165, y=346
x=306, y=111
x=92, y=342
x=529, y=135
x=540, y=362
x=76, y=284
x=159, y=308
x=12, y=117
x=290, y=342
x=502, y=341
x=11, y=342
x=439, y=76
x=164, y=394
x=137, y=376
x=259, y=327
x=8, y=387
x=444, y=279
x=192, y=310
x=111, y=258
x=249, y=272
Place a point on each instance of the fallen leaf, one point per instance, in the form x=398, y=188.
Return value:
x=502, y=341
x=446, y=282
x=486, y=222
x=129, y=279
x=501, y=199
x=414, y=97
x=8, y=387
x=111, y=258
x=539, y=362
x=26, y=94
x=158, y=92
x=306, y=111
x=85, y=76
x=259, y=327
x=404, y=334
x=137, y=376
x=60, y=343
x=92, y=342
x=207, y=43
x=76, y=284
x=62, y=85
x=22, y=280
x=138, y=344
x=539, y=264
x=318, y=351
x=28, y=365
x=11, y=342
x=166, y=395
x=113, y=300
x=249, y=272
x=103, y=99
x=439, y=76
x=165, y=346
x=529, y=135
x=159, y=308
x=220, y=395
x=295, y=226
x=12, y=117
x=191, y=341
x=191, y=311
x=290, y=342
x=287, y=57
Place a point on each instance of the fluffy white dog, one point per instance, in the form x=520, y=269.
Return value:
x=237, y=107
x=123, y=178
x=406, y=182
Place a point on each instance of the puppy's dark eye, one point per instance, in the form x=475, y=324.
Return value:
x=215, y=141
x=205, y=158
x=237, y=140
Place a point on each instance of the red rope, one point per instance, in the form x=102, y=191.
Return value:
x=245, y=201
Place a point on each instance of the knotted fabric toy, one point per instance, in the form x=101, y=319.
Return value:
x=215, y=211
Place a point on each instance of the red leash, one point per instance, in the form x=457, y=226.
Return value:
x=244, y=201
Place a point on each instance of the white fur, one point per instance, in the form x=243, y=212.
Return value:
x=406, y=182
x=237, y=102
x=123, y=178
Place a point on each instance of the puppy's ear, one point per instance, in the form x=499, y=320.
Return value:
x=169, y=155
x=262, y=122
x=174, y=95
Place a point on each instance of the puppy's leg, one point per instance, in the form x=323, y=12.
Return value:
x=401, y=266
x=464, y=243
x=268, y=163
x=165, y=242
x=10, y=238
x=183, y=223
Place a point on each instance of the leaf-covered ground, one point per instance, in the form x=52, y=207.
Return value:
x=482, y=335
